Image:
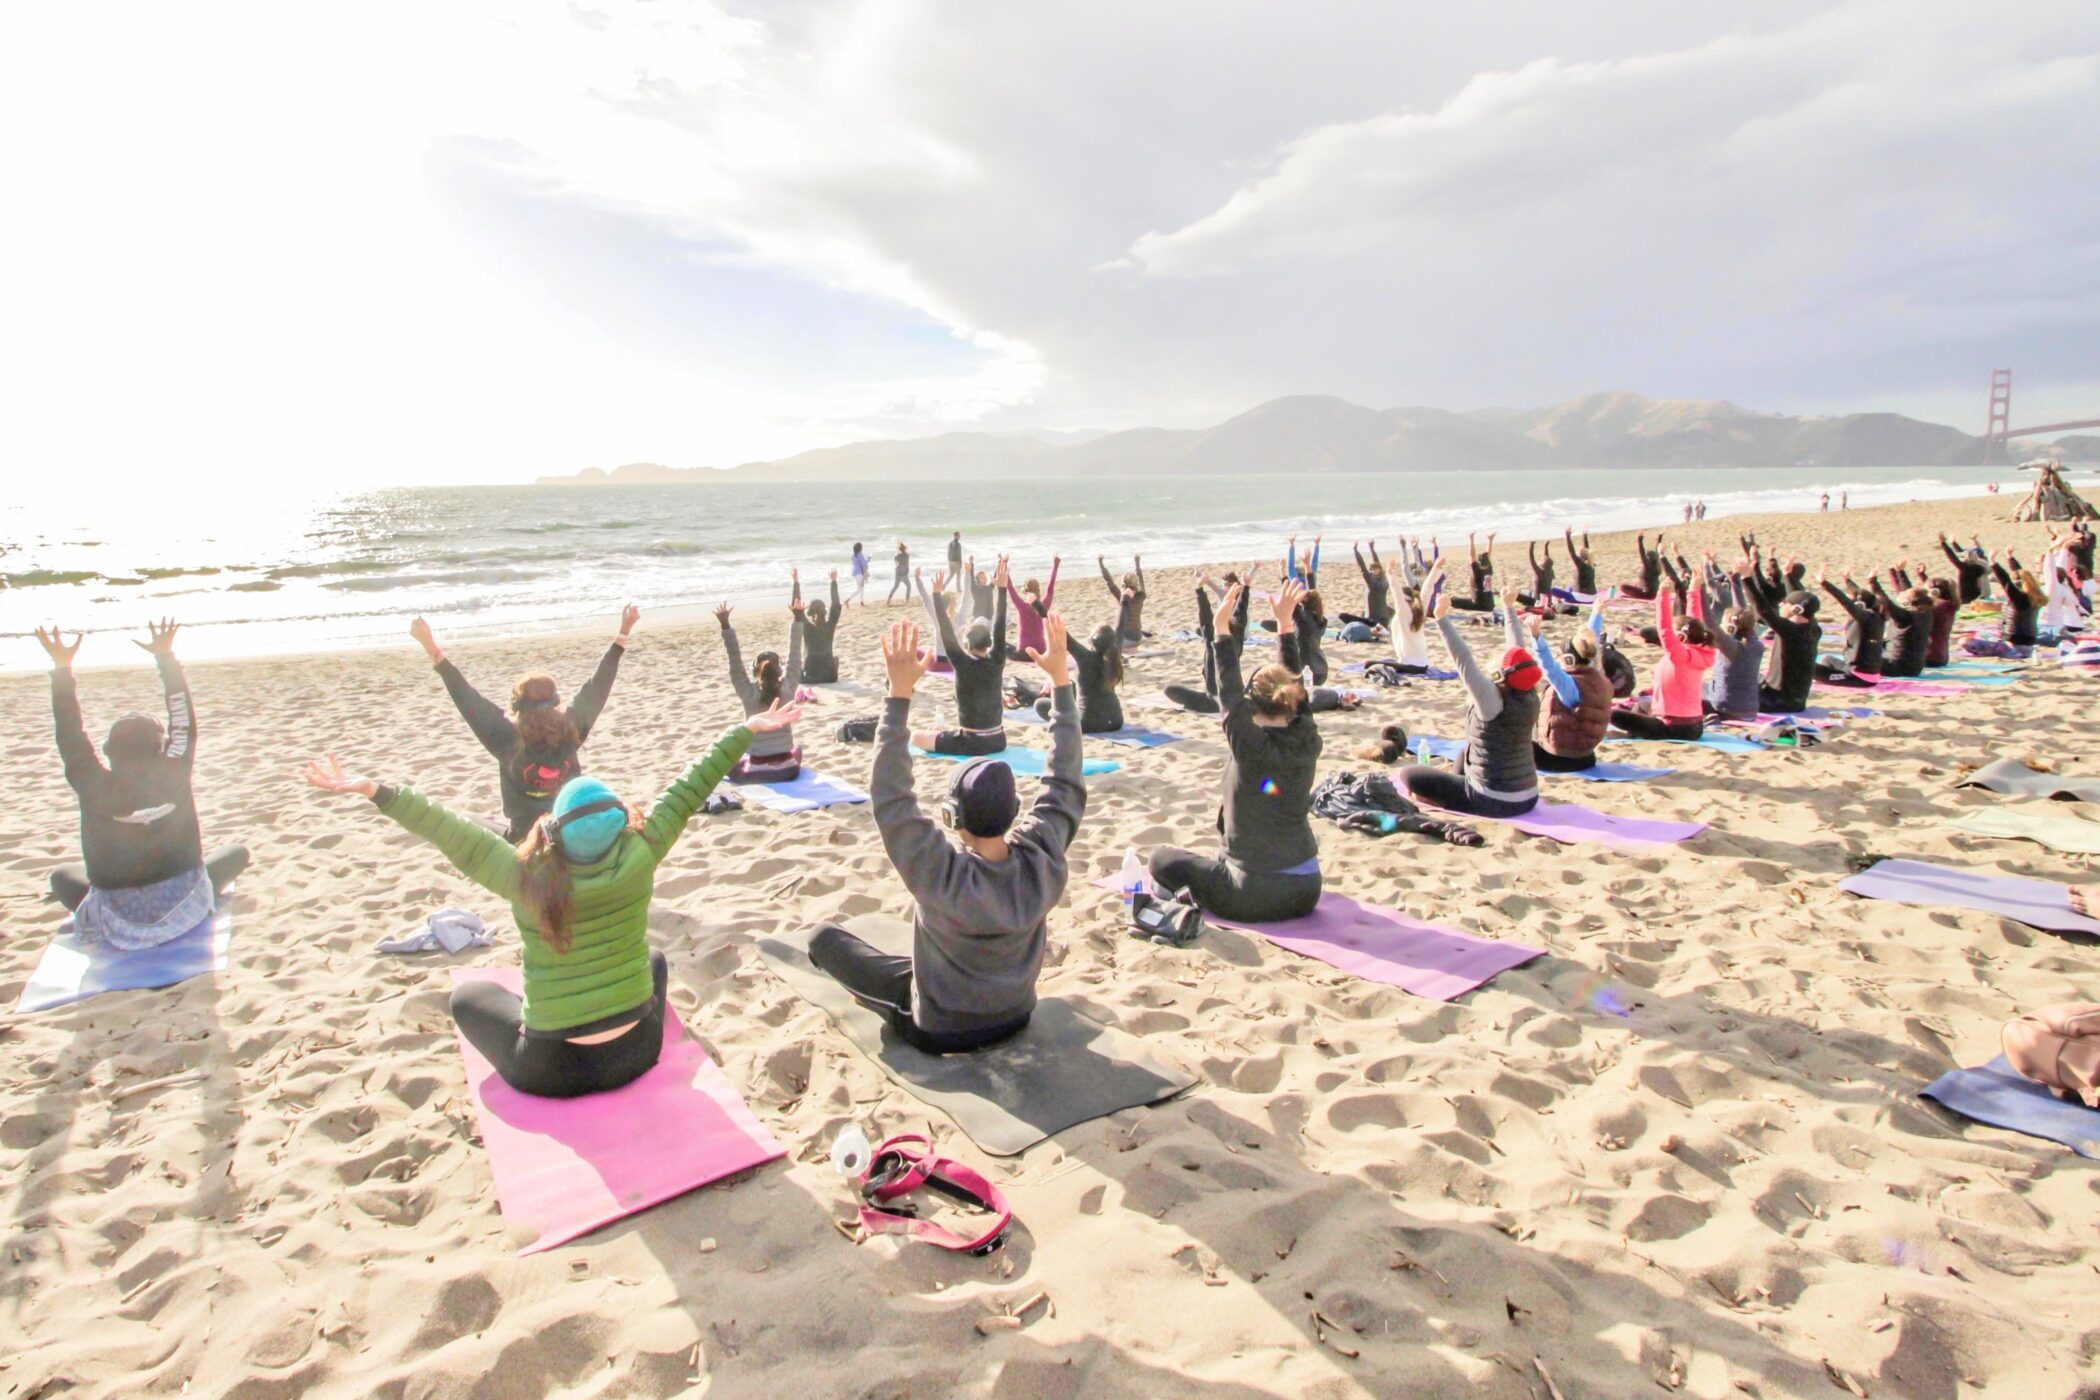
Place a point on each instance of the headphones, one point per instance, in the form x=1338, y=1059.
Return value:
x=588, y=809
x=951, y=805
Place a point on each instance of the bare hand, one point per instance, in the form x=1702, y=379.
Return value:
x=161, y=636
x=1285, y=607
x=1442, y=609
x=1053, y=658
x=629, y=616
x=1230, y=603
x=330, y=777
x=55, y=647
x=770, y=721
x=722, y=613
x=902, y=659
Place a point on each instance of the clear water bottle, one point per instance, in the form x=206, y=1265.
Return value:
x=850, y=1152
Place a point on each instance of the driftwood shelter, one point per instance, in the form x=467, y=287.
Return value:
x=2051, y=499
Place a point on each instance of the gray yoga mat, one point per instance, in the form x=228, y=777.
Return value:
x=2016, y=779
x=1063, y=1070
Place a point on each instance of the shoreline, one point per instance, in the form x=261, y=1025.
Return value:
x=22, y=657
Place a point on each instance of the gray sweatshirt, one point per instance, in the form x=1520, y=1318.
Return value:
x=781, y=741
x=978, y=929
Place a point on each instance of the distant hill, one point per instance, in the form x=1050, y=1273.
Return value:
x=1314, y=433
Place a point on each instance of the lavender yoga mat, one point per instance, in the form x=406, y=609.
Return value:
x=2041, y=904
x=564, y=1167
x=1569, y=823
x=1377, y=944
x=2001, y=1096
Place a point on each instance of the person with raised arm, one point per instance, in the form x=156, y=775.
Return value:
x=773, y=756
x=979, y=659
x=1270, y=866
x=1498, y=772
x=1032, y=602
x=537, y=744
x=1130, y=599
x=143, y=878
x=579, y=885
x=820, y=659
x=983, y=880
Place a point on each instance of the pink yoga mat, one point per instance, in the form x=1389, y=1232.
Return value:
x=1380, y=945
x=564, y=1167
x=1902, y=685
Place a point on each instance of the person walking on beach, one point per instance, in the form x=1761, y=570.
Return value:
x=143, y=879
x=903, y=579
x=955, y=555
x=1844, y=500
x=1826, y=502
x=859, y=567
x=592, y=1014
x=982, y=890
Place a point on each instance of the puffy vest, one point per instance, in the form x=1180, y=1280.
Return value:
x=1571, y=733
x=1498, y=751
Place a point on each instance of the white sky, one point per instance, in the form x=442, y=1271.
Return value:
x=265, y=244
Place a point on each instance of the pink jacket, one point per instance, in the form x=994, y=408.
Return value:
x=1031, y=621
x=1681, y=674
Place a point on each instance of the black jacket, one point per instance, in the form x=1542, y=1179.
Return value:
x=138, y=822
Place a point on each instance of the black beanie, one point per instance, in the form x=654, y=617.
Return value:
x=986, y=802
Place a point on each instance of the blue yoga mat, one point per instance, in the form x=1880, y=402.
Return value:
x=1433, y=746
x=1135, y=734
x=1725, y=743
x=1956, y=676
x=1026, y=762
x=1997, y=1095
x=70, y=971
x=806, y=793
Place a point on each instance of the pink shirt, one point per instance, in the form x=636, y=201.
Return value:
x=1681, y=674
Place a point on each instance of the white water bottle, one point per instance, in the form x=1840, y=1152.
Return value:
x=850, y=1152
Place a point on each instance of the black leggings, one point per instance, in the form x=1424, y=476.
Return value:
x=1642, y=726
x=1449, y=790
x=1776, y=702
x=1222, y=888
x=903, y=583
x=1546, y=761
x=1192, y=699
x=1840, y=675
x=490, y=1017
x=964, y=741
x=882, y=982
x=69, y=883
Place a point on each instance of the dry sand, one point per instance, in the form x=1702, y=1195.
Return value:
x=1731, y=1188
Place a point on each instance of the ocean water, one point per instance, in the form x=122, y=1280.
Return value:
x=291, y=573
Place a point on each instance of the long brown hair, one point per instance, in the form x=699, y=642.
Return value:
x=1109, y=647
x=767, y=673
x=543, y=722
x=543, y=884
x=1388, y=747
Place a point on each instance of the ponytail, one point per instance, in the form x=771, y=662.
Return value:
x=543, y=884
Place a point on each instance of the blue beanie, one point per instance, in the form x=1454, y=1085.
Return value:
x=588, y=838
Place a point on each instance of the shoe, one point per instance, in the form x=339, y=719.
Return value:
x=1172, y=922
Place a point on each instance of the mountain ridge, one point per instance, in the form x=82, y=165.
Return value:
x=1323, y=433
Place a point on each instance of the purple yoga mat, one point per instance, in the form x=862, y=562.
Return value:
x=2041, y=904
x=1378, y=944
x=564, y=1167
x=1566, y=822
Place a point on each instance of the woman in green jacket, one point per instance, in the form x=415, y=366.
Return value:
x=579, y=887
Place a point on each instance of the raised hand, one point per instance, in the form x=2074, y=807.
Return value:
x=629, y=616
x=722, y=613
x=1535, y=625
x=330, y=777
x=161, y=637
x=1053, y=658
x=779, y=717
x=1229, y=604
x=902, y=659
x=834, y=575
x=1442, y=609
x=796, y=605
x=1285, y=607
x=54, y=644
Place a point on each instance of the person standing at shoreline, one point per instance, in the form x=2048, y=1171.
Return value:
x=859, y=566
x=903, y=579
